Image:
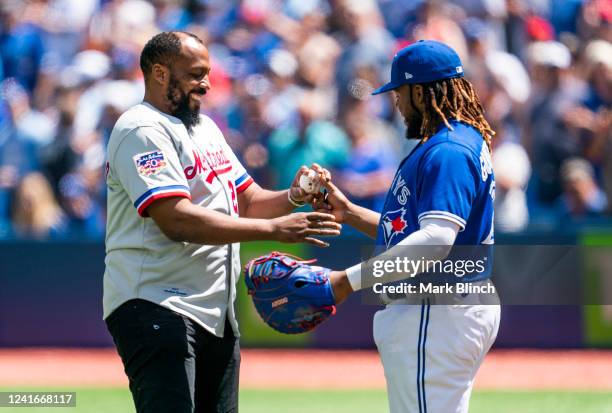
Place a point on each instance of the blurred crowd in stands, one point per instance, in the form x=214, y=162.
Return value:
x=291, y=83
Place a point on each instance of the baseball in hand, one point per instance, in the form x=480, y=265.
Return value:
x=310, y=183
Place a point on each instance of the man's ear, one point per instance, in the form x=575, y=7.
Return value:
x=160, y=74
x=418, y=97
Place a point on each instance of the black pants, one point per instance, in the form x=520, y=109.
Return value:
x=173, y=364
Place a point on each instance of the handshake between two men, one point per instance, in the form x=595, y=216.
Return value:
x=290, y=294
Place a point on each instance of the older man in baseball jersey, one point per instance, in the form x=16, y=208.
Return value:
x=179, y=201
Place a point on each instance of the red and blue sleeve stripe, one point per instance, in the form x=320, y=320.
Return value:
x=153, y=194
x=243, y=182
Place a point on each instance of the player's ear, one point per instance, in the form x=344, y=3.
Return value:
x=160, y=74
x=418, y=96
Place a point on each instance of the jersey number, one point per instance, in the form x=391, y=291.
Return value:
x=234, y=196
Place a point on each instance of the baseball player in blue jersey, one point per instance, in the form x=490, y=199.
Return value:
x=442, y=195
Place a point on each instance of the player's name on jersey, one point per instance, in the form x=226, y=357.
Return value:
x=432, y=288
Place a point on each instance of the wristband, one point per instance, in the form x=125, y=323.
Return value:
x=292, y=201
x=354, y=276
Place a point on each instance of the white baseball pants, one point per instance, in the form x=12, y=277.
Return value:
x=431, y=353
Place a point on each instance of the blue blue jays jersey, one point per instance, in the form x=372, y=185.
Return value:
x=449, y=176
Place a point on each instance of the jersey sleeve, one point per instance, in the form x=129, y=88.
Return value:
x=148, y=168
x=242, y=179
x=446, y=184
x=240, y=176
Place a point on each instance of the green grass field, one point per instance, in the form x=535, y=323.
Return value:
x=356, y=401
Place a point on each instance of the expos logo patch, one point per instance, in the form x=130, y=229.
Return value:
x=150, y=163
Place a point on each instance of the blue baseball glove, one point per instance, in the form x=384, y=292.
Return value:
x=290, y=295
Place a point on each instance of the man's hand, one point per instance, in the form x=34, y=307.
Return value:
x=303, y=227
x=343, y=210
x=333, y=201
x=296, y=193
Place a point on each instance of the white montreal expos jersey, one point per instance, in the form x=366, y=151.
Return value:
x=151, y=156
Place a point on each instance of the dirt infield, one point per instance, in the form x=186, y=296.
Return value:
x=503, y=369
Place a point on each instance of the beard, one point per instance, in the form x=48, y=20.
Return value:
x=179, y=101
x=413, y=126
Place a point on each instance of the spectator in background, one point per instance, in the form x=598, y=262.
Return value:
x=17, y=151
x=36, y=213
x=595, y=116
x=501, y=80
x=21, y=41
x=23, y=131
x=59, y=156
x=594, y=21
x=117, y=97
x=564, y=14
x=281, y=107
x=547, y=138
x=69, y=67
x=317, y=62
x=363, y=38
x=483, y=8
x=512, y=171
x=171, y=14
x=313, y=140
x=439, y=21
x=581, y=196
x=31, y=129
x=514, y=27
x=591, y=118
x=598, y=69
x=80, y=194
x=90, y=69
x=371, y=164
x=538, y=29
x=64, y=22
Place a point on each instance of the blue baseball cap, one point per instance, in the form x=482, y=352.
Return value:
x=422, y=62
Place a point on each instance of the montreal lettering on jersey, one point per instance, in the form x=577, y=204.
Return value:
x=214, y=163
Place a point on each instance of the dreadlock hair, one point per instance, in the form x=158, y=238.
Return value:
x=453, y=99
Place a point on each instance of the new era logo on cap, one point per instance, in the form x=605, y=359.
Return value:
x=424, y=61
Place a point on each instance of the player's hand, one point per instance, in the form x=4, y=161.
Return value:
x=295, y=192
x=333, y=201
x=304, y=227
